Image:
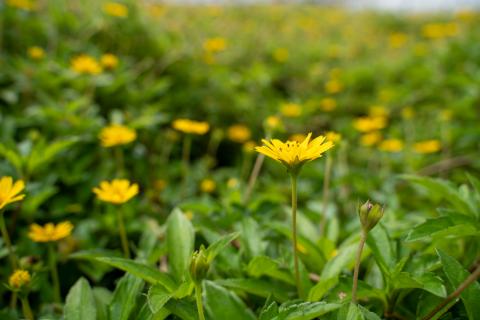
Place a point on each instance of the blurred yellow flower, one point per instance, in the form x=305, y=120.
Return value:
x=214, y=45
x=115, y=9
x=208, y=185
x=249, y=146
x=36, y=53
x=370, y=139
x=238, y=133
x=50, y=232
x=280, y=55
x=117, y=191
x=293, y=154
x=408, y=113
x=298, y=137
x=19, y=279
x=232, y=183
x=427, y=146
x=291, y=110
x=328, y=104
x=191, y=126
x=9, y=191
x=378, y=111
x=115, y=135
x=22, y=4
x=333, y=86
x=273, y=122
x=109, y=61
x=391, y=145
x=440, y=30
x=333, y=136
x=85, y=64
x=367, y=124
x=397, y=39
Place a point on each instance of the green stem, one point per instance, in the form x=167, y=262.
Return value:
x=120, y=161
x=187, y=145
x=53, y=269
x=358, y=259
x=123, y=233
x=27, y=311
x=326, y=193
x=294, y=232
x=198, y=296
x=253, y=177
x=6, y=239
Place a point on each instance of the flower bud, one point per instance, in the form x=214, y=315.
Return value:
x=199, y=265
x=19, y=279
x=370, y=214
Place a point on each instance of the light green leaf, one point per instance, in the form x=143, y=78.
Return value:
x=257, y=287
x=125, y=297
x=322, y=287
x=345, y=257
x=80, y=303
x=215, y=248
x=263, y=265
x=157, y=297
x=223, y=304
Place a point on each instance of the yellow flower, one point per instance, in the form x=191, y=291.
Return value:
x=238, y=133
x=232, y=183
x=369, y=139
x=9, y=191
x=367, y=124
x=391, y=145
x=84, y=64
x=22, y=4
x=333, y=86
x=117, y=191
x=280, y=55
x=397, y=40
x=272, y=122
x=440, y=30
x=291, y=110
x=115, y=135
x=50, y=232
x=115, y=9
x=191, y=126
x=214, y=45
x=109, y=61
x=408, y=113
x=294, y=154
x=19, y=279
x=333, y=136
x=427, y=146
x=249, y=146
x=36, y=53
x=328, y=104
x=208, y=185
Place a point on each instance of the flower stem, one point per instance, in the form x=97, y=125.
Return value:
x=326, y=193
x=53, y=269
x=120, y=161
x=123, y=233
x=294, y=232
x=198, y=296
x=187, y=146
x=253, y=177
x=454, y=295
x=363, y=238
x=6, y=239
x=27, y=311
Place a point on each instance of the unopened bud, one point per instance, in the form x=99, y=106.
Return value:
x=370, y=214
x=199, y=265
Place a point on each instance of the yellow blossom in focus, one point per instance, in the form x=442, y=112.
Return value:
x=191, y=126
x=117, y=191
x=249, y=146
x=333, y=86
x=22, y=4
x=293, y=154
x=427, y=146
x=367, y=124
x=397, y=40
x=9, y=191
x=333, y=136
x=408, y=113
x=84, y=64
x=391, y=145
x=238, y=133
x=19, y=279
x=370, y=139
x=291, y=110
x=36, y=53
x=328, y=104
x=208, y=185
x=109, y=61
x=214, y=45
x=115, y=9
x=115, y=135
x=272, y=122
x=280, y=55
x=50, y=232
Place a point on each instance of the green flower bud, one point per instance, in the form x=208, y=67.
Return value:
x=199, y=265
x=370, y=214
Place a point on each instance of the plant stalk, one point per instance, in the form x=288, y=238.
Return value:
x=123, y=233
x=294, y=232
x=54, y=272
x=6, y=239
x=27, y=311
x=326, y=193
x=363, y=239
x=198, y=296
x=253, y=177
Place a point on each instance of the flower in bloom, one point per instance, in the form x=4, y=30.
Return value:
x=115, y=9
x=294, y=154
x=291, y=110
x=239, y=133
x=109, y=61
x=328, y=104
x=85, y=64
x=333, y=136
x=19, y=279
x=117, y=191
x=9, y=191
x=214, y=45
x=427, y=146
x=191, y=126
x=115, y=135
x=208, y=185
x=50, y=232
x=391, y=145
x=367, y=124
x=22, y=4
x=272, y=122
x=36, y=53
x=299, y=137
x=370, y=139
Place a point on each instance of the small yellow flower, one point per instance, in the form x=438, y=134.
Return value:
x=115, y=9
x=249, y=146
x=50, y=232
x=291, y=110
x=272, y=122
x=328, y=104
x=427, y=146
x=280, y=55
x=9, y=191
x=232, y=183
x=109, y=61
x=333, y=86
x=214, y=45
x=208, y=185
x=293, y=154
x=391, y=145
x=335, y=137
x=19, y=279
x=117, y=191
x=36, y=53
x=191, y=126
x=115, y=135
x=370, y=139
x=367, y=124
x=85, y=64
x=27, y=5
x=397, y=40
x=239, y=133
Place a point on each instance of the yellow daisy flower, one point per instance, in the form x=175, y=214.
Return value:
x=427, y=146
x=191, y=126
x=239, y=133
x=117, y=191
x=19, y=279
x=116, y=134
x=50, y=232
x=9, y=191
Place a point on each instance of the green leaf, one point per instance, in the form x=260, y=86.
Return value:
x=322, y=287
x=382, y=249
x=223, y=304
x=183, y=309
x=180, y=241
x=354, y=313
x=263, y=265
x=269, y=311
x=157, y=297
x=80, y=303
x=102, y=297
x=456, y=274
x=215, y=248
x=307, y=310
x=257, y=287
x=252, y=238
x=125, y=297
x=345, y=257
x=12, y=156
x=426, y=229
